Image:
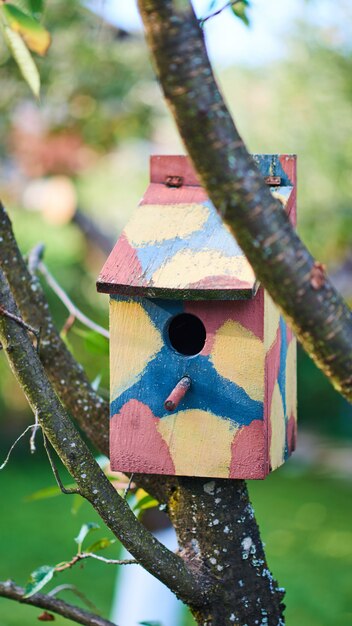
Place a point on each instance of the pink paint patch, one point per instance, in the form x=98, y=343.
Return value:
x=291, y=434
x=248, y=452
x=135, y=443
x=122, y=266
x=289, y=334
x=249, y=313
x=221, y=282
x=160, y=194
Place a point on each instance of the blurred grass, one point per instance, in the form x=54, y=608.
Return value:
x=304, y=520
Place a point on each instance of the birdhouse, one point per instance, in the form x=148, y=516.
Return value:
x=203, y=366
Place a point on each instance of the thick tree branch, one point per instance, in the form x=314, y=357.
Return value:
x=320, y=318
x=9, y=590
x=91, y=481
x=66, y=375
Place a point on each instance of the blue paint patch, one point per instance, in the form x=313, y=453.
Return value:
x=282, y=371
x=212, y=236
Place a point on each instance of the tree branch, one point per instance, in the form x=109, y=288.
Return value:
x=91, y=481
x=211, y=15
x=66, y=375
x=9, y=590
x=319, y=316
x=81, y=556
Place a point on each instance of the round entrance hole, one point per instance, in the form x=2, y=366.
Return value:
x=187, y=334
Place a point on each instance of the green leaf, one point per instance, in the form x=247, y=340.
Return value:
x=85, y=530
x=33, y=34
x=150, y=623
x=240, y=10
x=101, y=544
x=38, y=579
x=148, y=502
x=23, y=59
x=47, y=492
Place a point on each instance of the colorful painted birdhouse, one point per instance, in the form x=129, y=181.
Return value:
x=203, y=367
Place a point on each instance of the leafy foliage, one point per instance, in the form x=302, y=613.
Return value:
x=23, y=33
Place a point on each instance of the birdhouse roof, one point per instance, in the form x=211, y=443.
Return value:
x=176, y=245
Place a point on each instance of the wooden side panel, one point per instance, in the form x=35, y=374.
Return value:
x=217, y=429
x=280, y=411
x=280, y=386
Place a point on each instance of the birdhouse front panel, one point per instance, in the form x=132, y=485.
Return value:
x=202, y=364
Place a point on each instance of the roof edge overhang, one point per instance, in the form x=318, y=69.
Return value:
x=246, y=293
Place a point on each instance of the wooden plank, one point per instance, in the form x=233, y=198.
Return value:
x=217, y=429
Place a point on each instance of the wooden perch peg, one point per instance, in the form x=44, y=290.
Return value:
x=178, y=392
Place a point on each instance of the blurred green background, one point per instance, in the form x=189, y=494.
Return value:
x=101, y=115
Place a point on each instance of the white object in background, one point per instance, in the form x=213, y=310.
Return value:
x=140, y=597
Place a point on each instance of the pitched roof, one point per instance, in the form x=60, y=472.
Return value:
x=176, y=245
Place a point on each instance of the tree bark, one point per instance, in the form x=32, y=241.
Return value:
x=298, y=285
x=215, y=525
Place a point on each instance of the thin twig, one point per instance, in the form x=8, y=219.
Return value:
x=9, y=590
x=33, y=435
x=127, y=490
x=91, y=555
x=34, y=426
x=20, y=322
x=56, y=473
x=77, y=592
x=226, y=6
x=71, y=307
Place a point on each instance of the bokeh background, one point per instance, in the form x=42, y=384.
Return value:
x=72, y=169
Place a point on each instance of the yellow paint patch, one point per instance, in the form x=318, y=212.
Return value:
x=271, y=321
x=291, y=380
x=154, y=223
x=199, y=442
x=238, y=355
x=134, y=342
x=187, y=267
x=278, y=429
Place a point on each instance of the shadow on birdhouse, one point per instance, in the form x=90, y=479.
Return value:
x=203, y=367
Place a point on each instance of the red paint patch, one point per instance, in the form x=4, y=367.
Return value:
x=122, y=266
x=138, y=447
x=248, y=452
x=249, y=313
x=291, y=434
